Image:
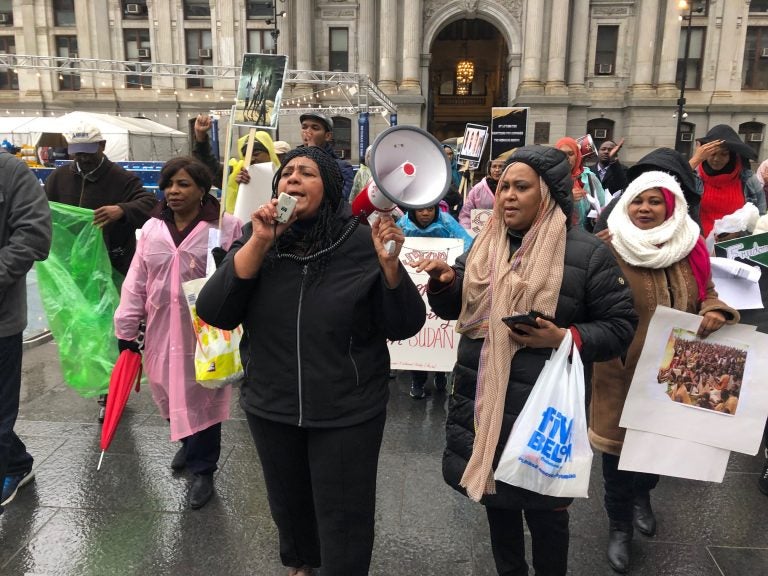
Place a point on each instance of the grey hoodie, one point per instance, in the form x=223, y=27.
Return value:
x=25, y=236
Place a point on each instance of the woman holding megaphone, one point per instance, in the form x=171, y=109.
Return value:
x=318, y=296
x=527, y=257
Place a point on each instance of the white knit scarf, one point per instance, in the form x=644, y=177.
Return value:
x=658, y=247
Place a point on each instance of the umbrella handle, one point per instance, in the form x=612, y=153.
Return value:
x=101, y=458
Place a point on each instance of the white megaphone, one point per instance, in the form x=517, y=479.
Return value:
x=408, y=169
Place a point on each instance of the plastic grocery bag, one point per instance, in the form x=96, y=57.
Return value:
x=548, y=450
x=79, y=296
x=217, y=353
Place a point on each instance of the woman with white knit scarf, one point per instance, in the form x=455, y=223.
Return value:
x=526, y=258
x=664, y=258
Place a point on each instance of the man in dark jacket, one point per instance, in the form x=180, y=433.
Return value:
x=117, y=197
x=25, y=236
x=317, y=130
x=612, y=175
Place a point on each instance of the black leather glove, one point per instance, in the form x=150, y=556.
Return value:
x=131, y=345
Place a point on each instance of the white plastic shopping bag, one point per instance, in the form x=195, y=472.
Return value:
x=548, y=450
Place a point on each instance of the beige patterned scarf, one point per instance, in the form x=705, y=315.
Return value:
x=497, y=285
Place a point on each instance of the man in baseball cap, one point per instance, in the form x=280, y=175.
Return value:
x=317, y=130
x=86, y=139
x=117, y=197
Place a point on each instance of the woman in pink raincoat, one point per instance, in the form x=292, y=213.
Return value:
x=173, y=248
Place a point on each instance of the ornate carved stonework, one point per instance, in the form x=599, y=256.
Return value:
x=514, y=7
x=610, y=10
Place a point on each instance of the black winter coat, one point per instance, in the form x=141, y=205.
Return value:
x=594, y=298
x=317, y=348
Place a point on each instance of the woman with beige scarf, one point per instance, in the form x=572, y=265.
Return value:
x=527, y=257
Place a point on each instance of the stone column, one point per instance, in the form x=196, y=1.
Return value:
x=534, y=32
x=224, y=39
x=388, y=46
x=412, y=45
x=305, y=24
x=164, y=35
x=29, y=84
x=558, y=36
x=729, y=51
x=366, y=36
x=284, y=39
x=669, y=50
x=645, y=45
x=579, y=36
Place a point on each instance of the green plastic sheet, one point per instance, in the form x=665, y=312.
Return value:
x=80, y=297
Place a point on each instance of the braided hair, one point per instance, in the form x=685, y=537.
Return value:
x=306, y=238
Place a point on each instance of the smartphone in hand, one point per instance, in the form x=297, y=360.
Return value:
x=527, y=319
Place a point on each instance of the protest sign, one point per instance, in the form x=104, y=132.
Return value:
x=260, y=89
x=509, y=127
x=702, y=390
x=433, y=349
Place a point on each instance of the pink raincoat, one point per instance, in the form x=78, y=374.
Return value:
x=152, y=291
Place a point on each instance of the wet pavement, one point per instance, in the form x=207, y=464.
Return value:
x=131, y=517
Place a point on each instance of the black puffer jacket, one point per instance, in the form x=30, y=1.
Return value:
x=317, y=344
x=594, y=298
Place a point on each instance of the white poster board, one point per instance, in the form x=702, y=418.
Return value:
x=649, y=408
x=433, y=349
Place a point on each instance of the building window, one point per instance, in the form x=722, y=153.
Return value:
x=601, y=130
x=693, y=69
x=8, y=79
x=66, y=47
x=753, y=134
x=605, y=54
x=135, y=9
x=338, y=56
x=197, y=9
x=261, y=42
x=200, y=53
x=342, y=136
x=64, y=12
x=259, y=9
x=758, y=6
x=687, y=133
x=137, y=47
x=755, y=70
x=6, y=12
x=700, y=7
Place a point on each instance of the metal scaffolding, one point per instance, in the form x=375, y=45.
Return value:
x=359, y=86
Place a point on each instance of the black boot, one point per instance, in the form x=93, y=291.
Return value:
x=619, y=543
x=102, y=401
x=762, y=481
x=643, y=515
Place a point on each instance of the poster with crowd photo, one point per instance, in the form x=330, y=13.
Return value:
x=260, y=90
x=473, y=145
x=509, y=127
x=702, y=374
x=719, y=373
x=433, y=349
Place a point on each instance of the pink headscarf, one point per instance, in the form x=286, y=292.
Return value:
x=699, y=256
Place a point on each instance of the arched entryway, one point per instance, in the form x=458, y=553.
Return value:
x=455, y=99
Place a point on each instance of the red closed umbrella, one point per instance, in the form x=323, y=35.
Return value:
x=126, y=372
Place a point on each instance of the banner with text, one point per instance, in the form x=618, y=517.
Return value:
x=434, y=348
x=509, y=127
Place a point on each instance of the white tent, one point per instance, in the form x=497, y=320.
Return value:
x=133, y=139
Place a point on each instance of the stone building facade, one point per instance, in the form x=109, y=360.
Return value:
x=608, y=67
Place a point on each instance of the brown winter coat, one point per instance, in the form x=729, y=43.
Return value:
x=674, y=287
